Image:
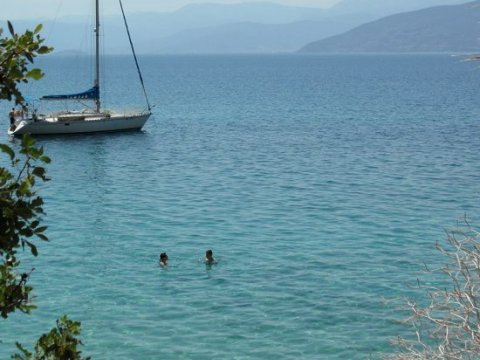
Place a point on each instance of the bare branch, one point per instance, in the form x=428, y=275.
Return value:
x=451, y=319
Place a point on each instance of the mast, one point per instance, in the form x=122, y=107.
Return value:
x=97, y=53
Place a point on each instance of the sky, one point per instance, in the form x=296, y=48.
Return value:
x=27, y=9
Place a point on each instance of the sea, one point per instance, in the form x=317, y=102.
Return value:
x=321, y=183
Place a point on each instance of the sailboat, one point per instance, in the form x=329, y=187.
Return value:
x=91, y=120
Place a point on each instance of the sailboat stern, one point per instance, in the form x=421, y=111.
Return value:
x=18, y=128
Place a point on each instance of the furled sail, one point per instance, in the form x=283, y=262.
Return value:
x=91, y=94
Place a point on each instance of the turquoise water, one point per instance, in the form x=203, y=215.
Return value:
x=320, y=182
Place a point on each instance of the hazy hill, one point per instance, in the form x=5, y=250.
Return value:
x=214, y=28
x=437, y=29
x=247, y=38
x=271, y=28
x=381, y=8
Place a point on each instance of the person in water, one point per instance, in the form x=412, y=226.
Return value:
x=10, y=260
x=209, y=259
x=163, y=259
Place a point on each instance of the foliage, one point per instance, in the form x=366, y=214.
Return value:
x=59, y=343
x=21, y=209
x=20, y=215
x=16, y=53
x=448, y=326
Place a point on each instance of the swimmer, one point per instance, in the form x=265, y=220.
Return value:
x=163, y=259
x=10, y=260
x=209, y=259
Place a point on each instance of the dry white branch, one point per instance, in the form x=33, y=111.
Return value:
x=448, y=327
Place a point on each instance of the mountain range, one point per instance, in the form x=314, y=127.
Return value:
x=250, y=27
x=452, y=28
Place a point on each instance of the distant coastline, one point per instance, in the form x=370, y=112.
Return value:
x=267, y=28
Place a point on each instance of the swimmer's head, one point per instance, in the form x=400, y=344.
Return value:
x=163, y=257
x=209, y=254
x=10, y=260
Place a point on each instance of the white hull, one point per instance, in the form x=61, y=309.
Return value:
x=78, y=124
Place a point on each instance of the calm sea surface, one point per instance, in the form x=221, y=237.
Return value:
x=320, y=182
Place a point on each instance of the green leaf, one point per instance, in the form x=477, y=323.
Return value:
x=33, y=248
x=42, y=237
x=38, y=28
x=27, y=232
x=29, y=57
x=45, y=159
x=37, y=202
x=39, y=171
x=35, y=74
x=27, y=141
x=44, y=50
x=10, y=28
x=7, y=150
x=41, y=229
